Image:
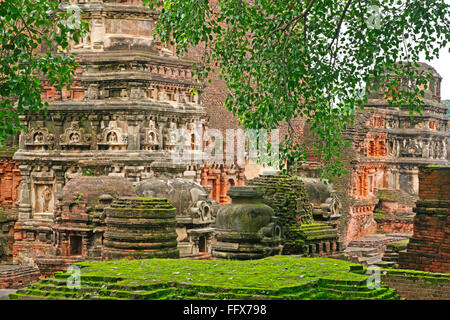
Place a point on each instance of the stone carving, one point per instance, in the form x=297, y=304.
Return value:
x=92, y=92
x=46, y=197
x=39, y=139
x=170, y=136
x=195, y=211
x=137, y=92
x=151, y=138
x=412, y=149
x=113, y=138
x=247, y=228
x=72, y=172
x=43, y=198
x=74, y=137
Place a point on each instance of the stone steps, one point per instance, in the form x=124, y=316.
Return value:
x=377, y=249
x=99, y=288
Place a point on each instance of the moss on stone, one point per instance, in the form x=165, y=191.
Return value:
x=287, y=196
x=278, y=277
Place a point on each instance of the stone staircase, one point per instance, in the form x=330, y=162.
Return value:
x=364, y=256
x=377, y=249
x=393, y=249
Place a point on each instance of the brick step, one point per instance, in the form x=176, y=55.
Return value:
x=367, y=261
x=360, y=251
x=359, y=294
x=386, y=264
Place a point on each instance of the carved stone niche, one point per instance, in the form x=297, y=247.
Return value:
x=150, y=137
x=92, y=92
x=411, y=150
x=112, y=138
x=39, y=139
x=42, y=195
x=74, y=138
x=437, y=149
x=170, y=134
x=137, y=91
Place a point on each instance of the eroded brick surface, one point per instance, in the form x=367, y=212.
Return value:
x=429, y=248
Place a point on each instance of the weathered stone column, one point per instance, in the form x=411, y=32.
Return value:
x=95, y=123
x=25, y=197
x=58, y=120
x=59, y=180
x=133, y=132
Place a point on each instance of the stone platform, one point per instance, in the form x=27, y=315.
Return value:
x=371, y=249
x=17, y=276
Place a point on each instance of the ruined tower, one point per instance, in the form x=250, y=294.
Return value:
x=129, y=95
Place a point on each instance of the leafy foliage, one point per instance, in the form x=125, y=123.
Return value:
x=314, y=58
x=28, y=28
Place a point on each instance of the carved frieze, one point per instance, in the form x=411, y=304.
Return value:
x=170, y=135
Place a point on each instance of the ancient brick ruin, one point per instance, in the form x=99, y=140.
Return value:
x=308, y=211
x=429, y=247
x=387, y=148
x=116, y=129
x=129, y=95
x=391, y=147
x=140, y=228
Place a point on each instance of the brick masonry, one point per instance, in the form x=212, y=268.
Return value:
x=429, y=248
x=416, y=285
x=10, y=180
x=13, y=277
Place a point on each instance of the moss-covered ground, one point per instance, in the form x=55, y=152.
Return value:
x=279, y=277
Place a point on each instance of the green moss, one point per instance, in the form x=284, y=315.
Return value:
x=278, y=277
x=398, y=245
x=287, y=196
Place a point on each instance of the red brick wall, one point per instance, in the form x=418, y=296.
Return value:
x=429, y=248
x=434, y=183
x=17, y=276
x=9, y=182
x=418, y=285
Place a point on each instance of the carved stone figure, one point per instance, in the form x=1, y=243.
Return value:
x=39, y=138
x=47, y=197
x=74, y=137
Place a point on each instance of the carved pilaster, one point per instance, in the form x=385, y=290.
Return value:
x=25, y=197
x=95, y=124
x=133, y=132
x=58, y=121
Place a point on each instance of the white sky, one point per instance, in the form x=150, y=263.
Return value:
x=442, y=66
